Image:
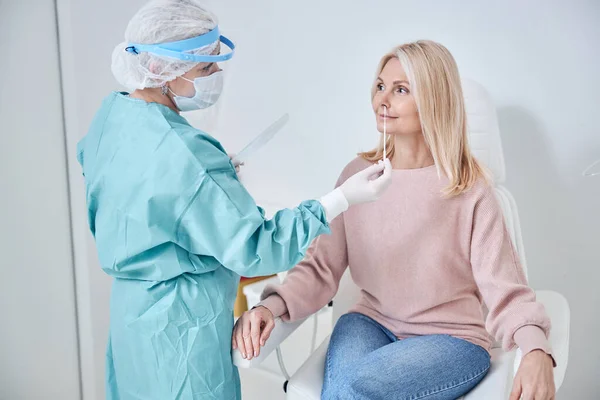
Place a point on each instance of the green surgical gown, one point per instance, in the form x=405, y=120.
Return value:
x=175, y=229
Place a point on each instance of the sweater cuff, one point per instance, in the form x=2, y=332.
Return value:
x=532, y=337
x=275, y=304
x=334, y=204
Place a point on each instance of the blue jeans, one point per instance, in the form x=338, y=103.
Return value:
x=366, y=361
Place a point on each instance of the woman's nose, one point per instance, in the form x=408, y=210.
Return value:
x=385, y=100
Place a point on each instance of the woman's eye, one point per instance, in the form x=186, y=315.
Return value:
x=402, y=90
x=380, y=87
x=207, y=67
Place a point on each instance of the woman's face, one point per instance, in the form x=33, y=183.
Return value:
x=185, y=88
x=393, y=90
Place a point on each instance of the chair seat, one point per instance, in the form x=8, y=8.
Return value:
x=307, y=382
x=498, y=382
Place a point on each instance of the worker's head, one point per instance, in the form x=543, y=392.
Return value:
x=169, y=44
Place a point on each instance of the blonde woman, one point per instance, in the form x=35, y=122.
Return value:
x=426, y=257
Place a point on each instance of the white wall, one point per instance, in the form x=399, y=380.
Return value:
x=38, y=331
x=316, y=60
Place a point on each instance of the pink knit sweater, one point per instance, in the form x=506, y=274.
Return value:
x=425, y=265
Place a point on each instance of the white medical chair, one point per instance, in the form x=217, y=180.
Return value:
x=485, y=142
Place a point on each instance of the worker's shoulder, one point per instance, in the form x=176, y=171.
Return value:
x=203, y=150
x=357, y=164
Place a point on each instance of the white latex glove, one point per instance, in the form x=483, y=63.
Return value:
x=235, y=163
x=364, y=186
x=369, y=184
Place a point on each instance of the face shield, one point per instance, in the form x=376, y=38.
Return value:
x=207, y=95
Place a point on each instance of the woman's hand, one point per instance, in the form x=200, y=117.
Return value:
x=535, y=378
x=252, y=330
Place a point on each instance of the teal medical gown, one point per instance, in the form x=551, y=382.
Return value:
x=176, y=229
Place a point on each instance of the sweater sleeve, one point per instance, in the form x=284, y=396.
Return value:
x=515, y=317
x=312, y=283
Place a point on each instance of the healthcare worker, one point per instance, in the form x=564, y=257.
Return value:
x=173, y=225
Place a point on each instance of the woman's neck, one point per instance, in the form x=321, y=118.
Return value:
x=154, y=95
x=411, y=152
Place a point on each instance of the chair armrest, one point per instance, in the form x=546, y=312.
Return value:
x=558, y=310
x=281, y=332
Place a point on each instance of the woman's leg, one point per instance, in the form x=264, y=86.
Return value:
x=436, y=367
x=353, y=338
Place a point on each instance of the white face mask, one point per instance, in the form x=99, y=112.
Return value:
x=208, y=90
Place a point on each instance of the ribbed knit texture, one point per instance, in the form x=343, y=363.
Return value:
x=425, y=265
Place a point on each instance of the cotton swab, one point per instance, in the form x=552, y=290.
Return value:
x=384, y=132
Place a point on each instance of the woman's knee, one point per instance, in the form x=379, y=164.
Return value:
x=334, y=387
x=363, y=382
x=342, y=388
x=350, y=382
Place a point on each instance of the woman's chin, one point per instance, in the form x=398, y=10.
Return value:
x=389, y=132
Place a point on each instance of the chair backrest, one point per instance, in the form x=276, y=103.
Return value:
x=485, y=142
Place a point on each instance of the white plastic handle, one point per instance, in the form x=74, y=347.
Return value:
x=588, y=170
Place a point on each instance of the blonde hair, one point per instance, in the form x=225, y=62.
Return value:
x=435, y=84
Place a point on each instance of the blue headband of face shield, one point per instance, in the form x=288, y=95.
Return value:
x=178, y=49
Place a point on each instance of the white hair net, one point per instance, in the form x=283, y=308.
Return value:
x=160, y=21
